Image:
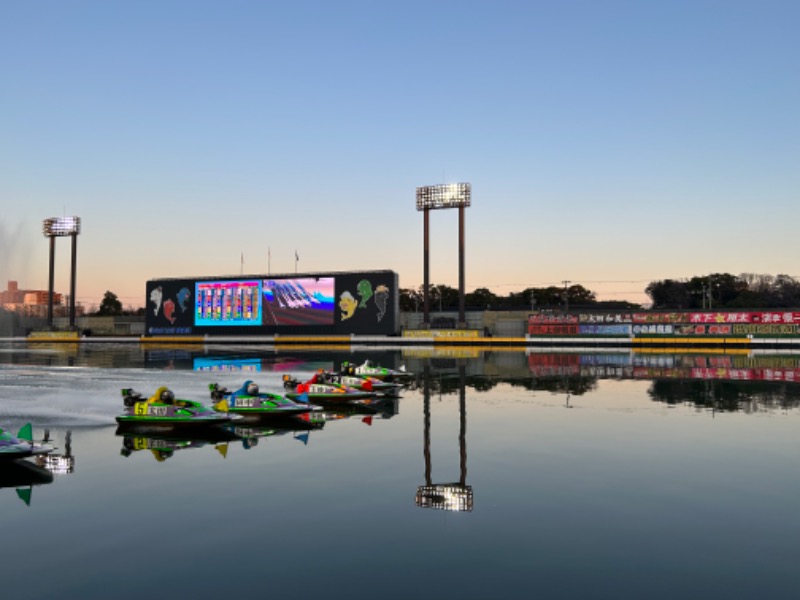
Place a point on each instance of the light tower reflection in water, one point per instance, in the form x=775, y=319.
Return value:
x=455, y=496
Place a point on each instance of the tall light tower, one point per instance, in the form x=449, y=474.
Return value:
x=60, y=227
x=451, y=195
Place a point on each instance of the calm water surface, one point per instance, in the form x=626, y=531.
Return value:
x=539, y=475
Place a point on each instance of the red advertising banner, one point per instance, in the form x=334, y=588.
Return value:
x=718, y=373
x=544, y=365
x=552, y=330
x=718, y=317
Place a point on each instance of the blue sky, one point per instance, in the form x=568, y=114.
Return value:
x=609, y=143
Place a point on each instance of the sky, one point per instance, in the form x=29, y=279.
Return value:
x=609, y=143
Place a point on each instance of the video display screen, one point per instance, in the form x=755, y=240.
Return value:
x=227, y=303
x=299, y=301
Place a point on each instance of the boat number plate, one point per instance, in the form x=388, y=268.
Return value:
x=143, y=409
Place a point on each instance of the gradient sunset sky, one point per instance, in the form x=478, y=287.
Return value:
x=608, y=143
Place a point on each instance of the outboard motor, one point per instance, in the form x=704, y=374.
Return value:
x=217, y=392
x=290, y=382
x=130, y=397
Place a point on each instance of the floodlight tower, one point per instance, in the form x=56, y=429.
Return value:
x=451, y=195
x=60, y=227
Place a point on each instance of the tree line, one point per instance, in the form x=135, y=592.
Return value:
x=443, y=297
x=723, y=290
x=706, y=292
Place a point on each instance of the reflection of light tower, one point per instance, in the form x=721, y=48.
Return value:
x=453, y=195
x=59, y=227
x=60, y=464
x=446, y=496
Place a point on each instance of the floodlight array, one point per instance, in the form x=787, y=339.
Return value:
x=445, y=496
x=451, y=195
x=60, y=226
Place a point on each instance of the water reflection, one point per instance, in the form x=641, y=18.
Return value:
x=454, y=496
x=25, y=474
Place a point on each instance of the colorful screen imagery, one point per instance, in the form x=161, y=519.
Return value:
x=301, y=301
x=228, y=303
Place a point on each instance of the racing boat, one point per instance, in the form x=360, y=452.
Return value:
x=17, y=472
x=316, y=390
x=363, y=383
x=371, y=370
x=21, y=445
x=248, y=401
x=162, y=409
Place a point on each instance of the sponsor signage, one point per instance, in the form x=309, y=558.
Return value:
x=591, y=329
x=709, y=317
x=772, y=329
x=552, y=318
x=605, y=318
x=552, y=329
x=653, y=329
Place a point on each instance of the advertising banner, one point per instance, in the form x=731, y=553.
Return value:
x=604, y=329
x=703, y=329
x=552, y=330
x=605, y=318
x=672, y=317
x=773, y=329
x=653, y=329
x=552, y=318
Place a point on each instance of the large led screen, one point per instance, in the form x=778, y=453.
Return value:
x=227, y=303
x=299, y=301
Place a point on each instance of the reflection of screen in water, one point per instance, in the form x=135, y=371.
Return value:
x=228, y=303
x=299, y=301
x=227, y=364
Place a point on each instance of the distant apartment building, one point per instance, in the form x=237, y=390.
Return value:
x=33, y=303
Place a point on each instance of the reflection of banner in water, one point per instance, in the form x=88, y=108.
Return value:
x=548, y=365
x=227, y=364
x=660, y=373
x=552, y=318
x=788, y=375
x=652, y=328
x=604, y=329
x=621, y=359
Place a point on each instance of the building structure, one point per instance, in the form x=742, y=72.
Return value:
x=31, y=303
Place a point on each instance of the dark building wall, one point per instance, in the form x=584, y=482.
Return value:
x=340, y=303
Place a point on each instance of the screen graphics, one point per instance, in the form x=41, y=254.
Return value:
x=299, y=301
x=227, y=303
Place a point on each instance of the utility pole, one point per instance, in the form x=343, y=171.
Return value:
x=566, y=295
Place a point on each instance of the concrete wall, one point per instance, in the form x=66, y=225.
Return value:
x=122, y=325
x=494, y=323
